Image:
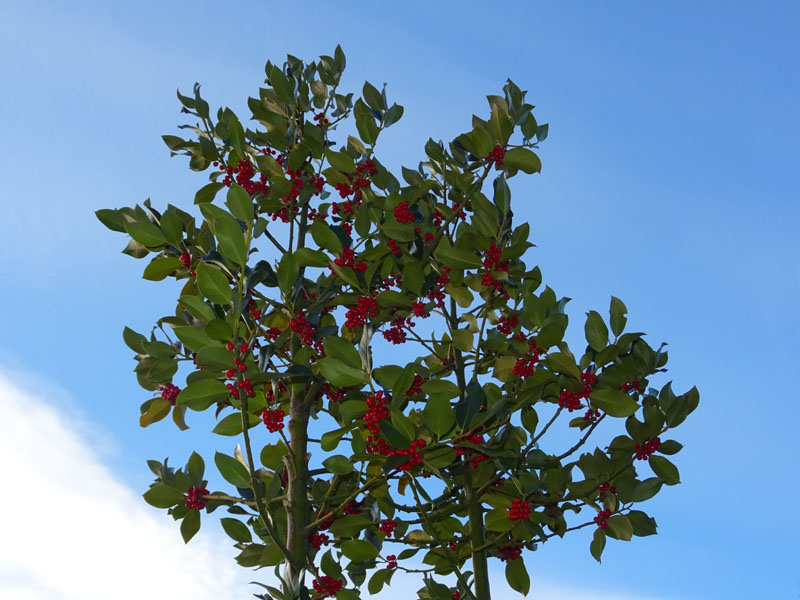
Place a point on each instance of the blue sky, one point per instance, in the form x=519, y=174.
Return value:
x=668, y=181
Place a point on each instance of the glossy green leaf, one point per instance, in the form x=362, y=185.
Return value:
x=598, y=544
x=620, y=528
x=341, y=349
x=288, y=273
x=197, y=308
x=208, y=192
x=339, y=373
x=365, y=122
x=522, y=159
x=201, y=394
x=667, y=471
x=614, y=402
x=163, y=496
x=359, y=550
x=438, y=415
x=338, y=465
x=230, y=238
x=213, y=284
x=340, y=161
x=517, y=576
x=190, y=525
x=325, y=237
x=193, y=338
x=596, y=331
x=236, y=530
x=617, y=311
x=146, y=233
x=239, y=203
x=232, y=470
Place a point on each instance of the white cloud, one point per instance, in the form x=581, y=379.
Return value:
x=71, y=530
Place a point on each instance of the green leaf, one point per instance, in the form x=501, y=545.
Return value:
x=517, y=576
x=158, y=409
x=193, y=338
x=215, y=357
x=618, y=310
x=522, y=159
x=308, y=257
x=288, y=273
x=598, y=544
x=196, y=467
x=213, y=284
x=232, y=470
x=240, y=203
x=339, y=348
x=231, y=239
x=331, y=439
x=236, y=135
x=620, y=528
x=134, y=341
x=502, y=194
x=646, y=489
x=614, y=402
x=199, y=395
x=438, y=415
x=232, y=424
x=236, y=530
x=197, y=308
x=441, y=388
x=359, y=550
x=481, y=141
x=665, y=469
x=373, y=97
x=379, y=578
x=463, y=340
x=471, y=405
x=563, y=363
x=163, y=496
x=190, y=525
x=365, y=122
x=596, y=331
x=338, y=464
x=643, y=525
x=208, y=192
x=272, y=455
x=325, y=237
x=340, y=161
x=339, y=373
x=112, y=219
x=413, y=277
x=146, y=233
x=682, y=406
x=457, y=258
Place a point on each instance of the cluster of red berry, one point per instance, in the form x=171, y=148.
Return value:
x=456, y=595
x=601, y=518
x=644, y=450
x=396, y=334
x=475, y=456
x=170, y=392
x=318, y=540
x=492, y=264
x=524, y=366
x=630, y=385
x=243, y=173
x=302, y=328
x=357, y=315
x=436, y=293
x=393, y=247
x=572, y=400
x=507, y=324
x=347, y=259
x=520, y=510
x=607, y=487
x=391, y=562
x=321, y=119
x=194, y=498
x=375, y=413
x=273, y=419
x=327, y=586
x=388, y=526
x=353, y=188
x=403, y=213
x=506, y=553
x=591, y=415
x=496, y=155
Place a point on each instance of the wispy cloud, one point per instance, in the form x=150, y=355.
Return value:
x=72, y=530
